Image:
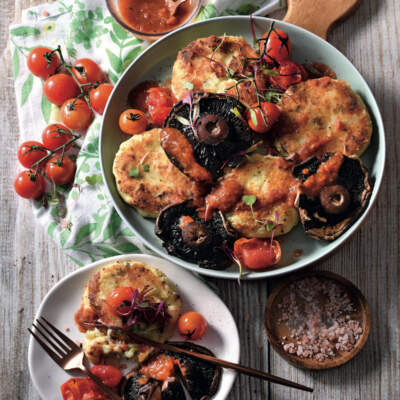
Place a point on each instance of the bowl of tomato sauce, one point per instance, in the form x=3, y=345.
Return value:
x=152, y=19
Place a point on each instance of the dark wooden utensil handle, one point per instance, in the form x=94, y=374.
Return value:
x=221, y=363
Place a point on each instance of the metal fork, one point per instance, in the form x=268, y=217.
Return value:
x=65, y=352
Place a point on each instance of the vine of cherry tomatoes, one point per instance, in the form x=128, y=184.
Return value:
x=80, y=90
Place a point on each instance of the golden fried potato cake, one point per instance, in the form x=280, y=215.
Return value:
x=319, y=116
x=99, y=341
x=270, y=179
x=146, y=178
x=207, y=64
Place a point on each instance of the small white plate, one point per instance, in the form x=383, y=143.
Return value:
x=60, y=304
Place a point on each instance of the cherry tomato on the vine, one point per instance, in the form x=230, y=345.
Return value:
x=42, y=62
x=29, y=185
x=91, y=73
x=256, y=121
x=290, y=73
x=192, y=325
x=30, y=152
x=76, y=114
x=108, y=374
x=278, y=48
x=132, y=121
x=60, y=171
x=81, y=389
x=257, y=253
x=59, y=88
x=55, y=135
x=98, y=97
x=120, y=299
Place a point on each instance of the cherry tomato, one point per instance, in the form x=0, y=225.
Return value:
x=160, y=101
x=81, y=389
x=120, y=299
x=99, y=96
x=59, y=88
x=76, y=114
x=29, y=185
x=290, y=73
x=192, y=325
x=132, y=121
x=55, y=135
x=31, y=152
x=42, y=62
x=271, y=114
x=60, y=171
x=108, y=374
x=257, y=253
x=279, y=46
x=91, y=73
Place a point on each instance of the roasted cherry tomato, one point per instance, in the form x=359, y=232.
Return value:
x=42, y=62
x=76, y=114
x=257, y=253
x=31, y=152
x=192, y=325
x=256, y=118
x=120, y=299
x=132, y=121
x=279, y=46
x=59, y=88
x=81, y=389
x=290, y=73
x=108, y=374
x=61, y=171
x=160, y=101
x=55, y=135
x=91, y=73
x=29, y=185
x=99, y=96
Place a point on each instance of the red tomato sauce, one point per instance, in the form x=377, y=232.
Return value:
x=84, y=315
x=154, y=16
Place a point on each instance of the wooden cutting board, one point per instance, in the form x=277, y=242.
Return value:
x=319, y=16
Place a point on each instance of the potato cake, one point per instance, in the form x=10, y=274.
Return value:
x=208, y=65
x=270, y=180
x=146, y=178
x=319, y=116
x=136, y=275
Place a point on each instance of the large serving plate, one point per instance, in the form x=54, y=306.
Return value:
x=155, y=64
x=64, y=299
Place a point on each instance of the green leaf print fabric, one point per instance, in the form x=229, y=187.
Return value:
x=81, y=218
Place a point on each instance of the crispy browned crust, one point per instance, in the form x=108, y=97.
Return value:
x=206, y=59
x=319, y=116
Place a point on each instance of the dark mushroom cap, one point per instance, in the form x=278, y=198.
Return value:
x=201, y=377
x=316, y=221
x=212, y=153
x=215, y=234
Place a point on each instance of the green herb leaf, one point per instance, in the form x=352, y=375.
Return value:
x=249, y=199
x=134, y=172
x=188, y=85
x=115, y=61
x=270, y=226
x=46, y=109
x=119, y=31
x=146, y=168
x=132, y=54
x=206, y=12
x=236, y=112
x=15, y=62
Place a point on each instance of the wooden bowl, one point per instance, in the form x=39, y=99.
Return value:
x=276, y=331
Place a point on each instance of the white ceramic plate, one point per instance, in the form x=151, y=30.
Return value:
x=64, y=299
x=156, y=64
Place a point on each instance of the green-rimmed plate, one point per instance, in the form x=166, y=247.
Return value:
x=156, y=64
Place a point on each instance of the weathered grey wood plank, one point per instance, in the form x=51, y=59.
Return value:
x=31, y=263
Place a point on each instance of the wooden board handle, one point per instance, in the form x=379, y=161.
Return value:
x=318, y=16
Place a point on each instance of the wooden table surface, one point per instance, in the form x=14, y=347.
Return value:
x=31, y=263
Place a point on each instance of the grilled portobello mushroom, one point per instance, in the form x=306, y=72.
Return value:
x=202, y=379
x=211, y=125
x=335, y=190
